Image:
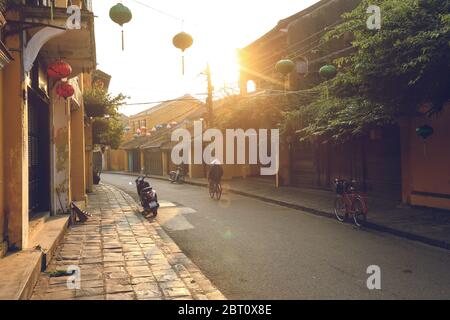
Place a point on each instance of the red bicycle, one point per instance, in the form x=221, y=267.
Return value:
x=350, y=202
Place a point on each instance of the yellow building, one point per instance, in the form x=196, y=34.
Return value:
x=5, y=59
x=141, y=126
x=44, y=154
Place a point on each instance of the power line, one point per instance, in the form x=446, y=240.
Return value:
x=161, y=101
x=159, y=11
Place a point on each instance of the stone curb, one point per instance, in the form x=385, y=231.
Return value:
x=370, y=225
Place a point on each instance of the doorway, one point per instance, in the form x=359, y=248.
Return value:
x=38, y=153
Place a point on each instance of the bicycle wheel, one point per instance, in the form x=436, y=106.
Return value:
x=340, y=210
x=359, y=217
x=218, y=191
x=212, y=191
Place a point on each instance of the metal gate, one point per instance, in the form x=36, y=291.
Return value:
x=134, y=160
x=153, y=162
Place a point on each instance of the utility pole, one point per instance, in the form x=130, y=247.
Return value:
x=209, y=99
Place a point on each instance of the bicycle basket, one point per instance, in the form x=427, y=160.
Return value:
x=340, y=187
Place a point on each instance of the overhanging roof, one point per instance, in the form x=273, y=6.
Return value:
x=136, y=143
x=76, y=47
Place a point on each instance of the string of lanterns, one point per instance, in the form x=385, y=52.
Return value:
x=121, y=15
x=286, y=66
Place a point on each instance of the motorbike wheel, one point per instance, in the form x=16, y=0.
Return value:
x=155, y=213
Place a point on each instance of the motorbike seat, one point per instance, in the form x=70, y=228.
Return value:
x=147, y=189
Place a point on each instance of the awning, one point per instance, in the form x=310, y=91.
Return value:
x=76, y=47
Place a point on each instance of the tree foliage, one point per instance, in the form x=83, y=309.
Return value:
x=392, y=72
x=100, y=103
x=107, y=129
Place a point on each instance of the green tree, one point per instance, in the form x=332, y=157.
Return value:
x=102, y=107
x=393, y=71
x=100, y=103
x=107, y=131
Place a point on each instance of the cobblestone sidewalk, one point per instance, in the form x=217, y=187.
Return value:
x=121, y=256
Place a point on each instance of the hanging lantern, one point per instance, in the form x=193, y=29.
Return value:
x=138, y=131
x=173, y=123
x=182, y=41
x=65, y=90
x=285, y=66
x=120, y=14
x=59, y=70
x=424, y=131
x=328, y=71
x=153, y=129
x=148, y=134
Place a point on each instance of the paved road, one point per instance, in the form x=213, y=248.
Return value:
x=255, y=250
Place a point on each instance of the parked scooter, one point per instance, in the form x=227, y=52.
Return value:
x=177, y=175
x=147, y=195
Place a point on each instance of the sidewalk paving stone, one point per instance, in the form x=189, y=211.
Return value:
x=121, y=255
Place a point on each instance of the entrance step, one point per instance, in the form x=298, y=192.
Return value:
x=48, y=238
x=20, y=270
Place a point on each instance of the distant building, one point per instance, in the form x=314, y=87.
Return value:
x=145, y=126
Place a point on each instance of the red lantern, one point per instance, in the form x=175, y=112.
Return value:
x=65, y=90
x=59, y=70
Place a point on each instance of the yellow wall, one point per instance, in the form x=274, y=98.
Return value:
x=429, y=162
x=173, y=112
x=15, y=150
x=77, y=164
x=117, y=160
x=87, y=84
x=2, y=182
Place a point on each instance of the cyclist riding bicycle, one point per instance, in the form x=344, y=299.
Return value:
x=215, y=172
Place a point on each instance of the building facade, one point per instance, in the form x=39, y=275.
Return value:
x=42, y=139
x=147, y=125
x=390, y=161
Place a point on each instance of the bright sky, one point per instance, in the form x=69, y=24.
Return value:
x=150, y=67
